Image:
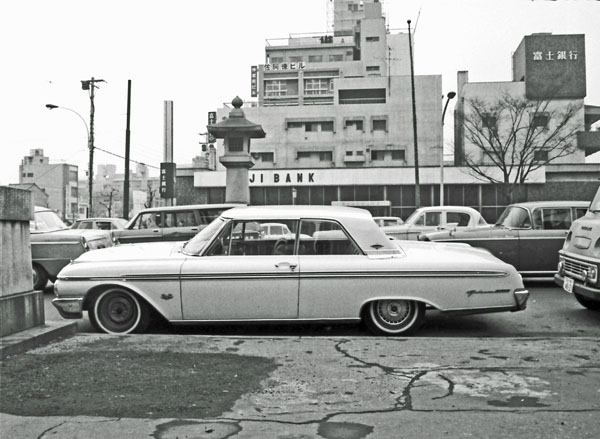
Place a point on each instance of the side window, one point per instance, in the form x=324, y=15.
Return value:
x=324, y=237
x=580, y=211
x=184, y=219
x=86, y=225
x=103, y=225
x=148, y=221
x=461, y=219
x=538, y=221
x=420, y=221
x=557, y=219
x=432, y=218
x=206, y=216
x=169, y=219
x=248, y=238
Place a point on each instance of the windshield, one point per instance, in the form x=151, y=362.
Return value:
x=514, y=217
x=195, y=245
x=595, y=204
x=46, y=221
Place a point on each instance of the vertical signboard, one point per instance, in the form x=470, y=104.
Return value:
x=167, y=180
x=254, y=81
x=212, y=119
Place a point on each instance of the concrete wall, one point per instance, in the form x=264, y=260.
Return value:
x=20, y=306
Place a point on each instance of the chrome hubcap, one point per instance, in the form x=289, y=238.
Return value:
x=393, y=312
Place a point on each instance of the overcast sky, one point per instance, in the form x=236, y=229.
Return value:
x=198, y=54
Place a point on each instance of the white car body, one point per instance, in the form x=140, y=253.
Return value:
x=214, y=277
x=435, y=218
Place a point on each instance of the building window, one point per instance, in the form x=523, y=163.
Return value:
x=315, y=58
x=264, y=156
x=379, y=125
x=317, y=86
x=336, y=57
x=540, y=155
x=373, y=69
x=236, y=144
x=275, y=88
x=296, y=59
x=490, y=122
x=322, y=156
x=349, y=153
x=73, y=192
x=358, y=124
x=295, y=125
x=398, y=154
x=276, y=59
x=30, y=174
x=372, y=39
x=72, y=175
x=540, y=120
x=318, y=126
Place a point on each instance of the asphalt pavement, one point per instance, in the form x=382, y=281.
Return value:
x=541, y=380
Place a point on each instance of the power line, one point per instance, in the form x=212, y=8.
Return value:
x=121, y=157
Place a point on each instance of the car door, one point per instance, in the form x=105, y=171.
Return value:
x=539, y=244
x=241, y=277
x=330, y=263
x=145, y=228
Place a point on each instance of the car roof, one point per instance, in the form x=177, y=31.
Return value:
x=559, y=203
x=448, y=208
x=191, y=206
x=295, y=212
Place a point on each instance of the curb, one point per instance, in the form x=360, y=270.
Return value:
x=22, y=341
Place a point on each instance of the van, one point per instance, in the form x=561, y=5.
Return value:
x=579, y=259
x=171, y=223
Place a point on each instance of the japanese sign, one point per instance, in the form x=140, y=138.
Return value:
x=167, y=180
x=285, y=66
x=254, y=81
x=212, y=119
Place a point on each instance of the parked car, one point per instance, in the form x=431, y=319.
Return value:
x=172, y=223
x=54, y=245
x=100, y=223
x=434, y=218
x=341, y=268
x=579, y=258
x=388, y=220
x=527, y=235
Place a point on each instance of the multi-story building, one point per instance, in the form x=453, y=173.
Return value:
x=337, y=110
x=58, y=181
x=545, y=99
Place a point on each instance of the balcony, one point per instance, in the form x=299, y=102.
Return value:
x=589, y=141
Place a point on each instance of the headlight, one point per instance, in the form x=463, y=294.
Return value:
x=592, y=274
x=561, y=263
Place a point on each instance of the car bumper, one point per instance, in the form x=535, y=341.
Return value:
x=579, y=288
x=521, y=297
x=69, y=308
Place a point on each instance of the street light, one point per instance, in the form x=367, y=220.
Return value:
x=90, y=147
x=449, y=96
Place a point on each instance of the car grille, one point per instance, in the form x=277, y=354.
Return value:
x=575, y=269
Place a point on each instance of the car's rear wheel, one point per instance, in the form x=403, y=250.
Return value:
x=588, y=303
x=119, y=311
x=40, y=277
x=394, y=316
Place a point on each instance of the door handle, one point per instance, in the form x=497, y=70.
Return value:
x=289, y=265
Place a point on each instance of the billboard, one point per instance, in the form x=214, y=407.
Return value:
x=554, y=66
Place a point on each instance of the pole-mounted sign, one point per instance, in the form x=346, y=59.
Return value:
x=167, y=180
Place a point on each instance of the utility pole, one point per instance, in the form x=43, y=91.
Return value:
x=90, y=84
x=414, y=110
x=127, y=139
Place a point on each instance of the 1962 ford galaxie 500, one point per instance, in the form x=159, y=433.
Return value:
x=337, y=266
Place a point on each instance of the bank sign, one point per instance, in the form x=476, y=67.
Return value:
x=555, y=66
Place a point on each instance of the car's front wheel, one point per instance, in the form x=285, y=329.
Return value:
x=588, y=303
x=394, y=316
x=40, y=277
x=119, y=311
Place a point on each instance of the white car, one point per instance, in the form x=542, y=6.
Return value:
x=341, y=267
x=435, y=218
x=388, y=220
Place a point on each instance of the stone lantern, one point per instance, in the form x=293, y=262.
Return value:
x=236, y=132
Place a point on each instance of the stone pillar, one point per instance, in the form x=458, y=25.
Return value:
x=236, y=132
x=20, y=307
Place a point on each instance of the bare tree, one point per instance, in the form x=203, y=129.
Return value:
x=517, y=136
x=151, y=195
x=107, y=202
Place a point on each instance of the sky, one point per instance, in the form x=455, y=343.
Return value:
x=198, y=54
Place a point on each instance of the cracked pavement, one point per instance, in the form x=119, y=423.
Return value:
x=371, y=387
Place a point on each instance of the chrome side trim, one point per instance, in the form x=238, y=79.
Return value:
x=294, y=275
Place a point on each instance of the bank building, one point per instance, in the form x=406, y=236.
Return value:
x=337, y=109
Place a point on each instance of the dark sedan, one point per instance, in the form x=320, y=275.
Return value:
x=527, y=235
